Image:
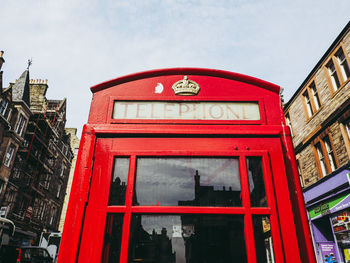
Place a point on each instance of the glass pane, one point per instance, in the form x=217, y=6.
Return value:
x=187, y=238
x=256, y=182
x=113, y=239
x=119, y=180
x=187, y=182
x=263, y=239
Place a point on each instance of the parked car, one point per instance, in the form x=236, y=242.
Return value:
x=34, y=255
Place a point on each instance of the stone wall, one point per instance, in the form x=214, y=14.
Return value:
x=326, y=119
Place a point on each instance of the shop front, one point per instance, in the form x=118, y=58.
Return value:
x=186, y=165
x=328, y=206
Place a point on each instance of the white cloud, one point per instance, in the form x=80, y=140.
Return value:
x=76, y=44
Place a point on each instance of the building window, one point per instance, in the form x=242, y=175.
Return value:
x=16, y=173
x=321, y=159
x=63, y=168
x=330, y=153
x=53, y=215
x=45, y=181
x=307, y=101
x=315, y=97
x=300, y=176
x=334, y=76
x=2, y=185
x=326, y=156
x=9, y=155
x=10, y=198
x=20, y=125
x=289, y=123
x=312, y=100
x=59, y=191
x=343, y=64
x=347, y=129
x=9, y=115
x=338, y=69
x=3, y=107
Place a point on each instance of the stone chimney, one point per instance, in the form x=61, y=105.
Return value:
x=2, y=60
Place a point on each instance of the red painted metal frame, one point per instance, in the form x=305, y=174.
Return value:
x=103, y=138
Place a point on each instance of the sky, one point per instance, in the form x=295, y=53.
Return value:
x=76, y=44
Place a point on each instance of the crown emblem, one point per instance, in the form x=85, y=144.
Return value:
x=186, y=87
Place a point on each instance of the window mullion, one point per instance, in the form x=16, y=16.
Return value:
x=127, y=215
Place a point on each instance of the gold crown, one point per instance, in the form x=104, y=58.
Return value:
x=186, y=87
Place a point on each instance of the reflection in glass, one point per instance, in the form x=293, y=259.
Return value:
x=263, y=239
x=187, y=239
x=256, y=182
x=119, y=179
x=113, y=238
x=187, y=182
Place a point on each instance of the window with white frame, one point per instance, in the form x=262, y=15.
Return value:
x=9, y=155
x=20, y=125
x=3, y=106
x=63, y=168
x=59, y=191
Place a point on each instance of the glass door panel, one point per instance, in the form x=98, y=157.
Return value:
x=190, y=181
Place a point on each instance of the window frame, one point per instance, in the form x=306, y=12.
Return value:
x=338, y=71
x=311, y=100
x=8, y=158
x=323, y=154
x=3, y=107
x=20, y=125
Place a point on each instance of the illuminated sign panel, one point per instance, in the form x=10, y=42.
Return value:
x=160, y=110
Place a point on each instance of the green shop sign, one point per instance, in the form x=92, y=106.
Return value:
x=333, y=205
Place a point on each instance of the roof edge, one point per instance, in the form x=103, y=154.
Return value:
x=190, y=71
x=319, y=63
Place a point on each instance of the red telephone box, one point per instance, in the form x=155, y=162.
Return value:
x=186, y=165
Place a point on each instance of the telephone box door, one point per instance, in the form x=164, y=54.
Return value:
x=188, y=199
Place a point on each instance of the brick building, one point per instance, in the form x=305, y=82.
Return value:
x=35, y=170
x=319, y=117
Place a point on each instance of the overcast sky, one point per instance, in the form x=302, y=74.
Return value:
x=76, y=44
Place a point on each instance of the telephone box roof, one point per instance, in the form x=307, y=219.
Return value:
x=187, y=71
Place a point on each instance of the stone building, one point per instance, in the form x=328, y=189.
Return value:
x=35, y=172
x=319, y=117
